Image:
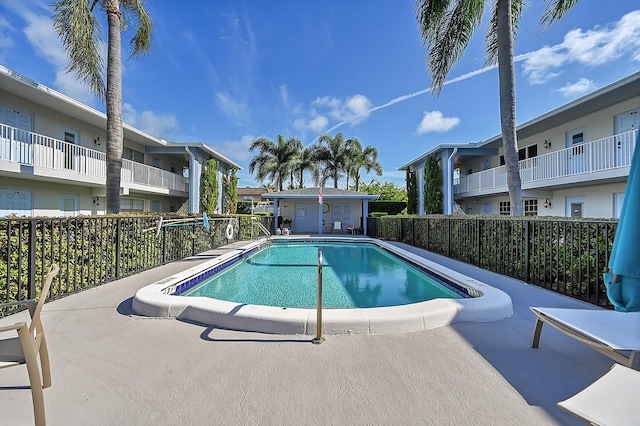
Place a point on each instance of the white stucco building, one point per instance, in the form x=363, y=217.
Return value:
x=574, y=160
x=52, y=158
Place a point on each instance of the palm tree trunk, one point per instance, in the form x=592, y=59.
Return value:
x=114, y=108
x=508, y=104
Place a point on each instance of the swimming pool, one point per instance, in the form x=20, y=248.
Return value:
x=482, y=302
x=355, y=275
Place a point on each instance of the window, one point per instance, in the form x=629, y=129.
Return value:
x=128, y=205
x=532, y=151
x=502, y=163
x=505, y=207
x=530, y=207
x=522, y=154
x=69, y=205
x=133, y=155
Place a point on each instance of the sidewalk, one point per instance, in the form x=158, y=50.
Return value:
x=111, y=367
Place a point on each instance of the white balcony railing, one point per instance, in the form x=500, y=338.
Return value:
x=609, y=153
x=28, y=148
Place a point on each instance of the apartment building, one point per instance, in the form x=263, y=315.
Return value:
x=574, y=160
x=52, y=158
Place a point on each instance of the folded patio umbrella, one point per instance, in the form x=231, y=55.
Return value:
x=623, y=279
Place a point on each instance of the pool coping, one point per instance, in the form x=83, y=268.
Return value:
x=490, y=304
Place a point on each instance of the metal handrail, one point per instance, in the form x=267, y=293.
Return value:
x=319, y=339
x=261, y=227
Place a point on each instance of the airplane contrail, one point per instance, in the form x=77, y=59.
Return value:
x=423, y=91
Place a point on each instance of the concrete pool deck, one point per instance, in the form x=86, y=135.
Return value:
x=112, y=367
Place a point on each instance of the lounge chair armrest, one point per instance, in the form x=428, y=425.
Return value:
x=14, y=327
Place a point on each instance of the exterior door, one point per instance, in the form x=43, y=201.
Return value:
x=16, y=201
x=342, y=213
x=575, y=143
x=71, y=140
x=16, y=139
x=575, y=206
x=306, y=218
x=625, y=122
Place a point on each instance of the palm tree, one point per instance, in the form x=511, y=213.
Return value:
x=79, y=29
x=305, y=161
x=359, y=158
x=331, y=153
x=274, y=161
x=446, y=27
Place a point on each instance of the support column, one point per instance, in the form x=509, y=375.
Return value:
x=365, y=214
x=275, y=215
x=195, y=171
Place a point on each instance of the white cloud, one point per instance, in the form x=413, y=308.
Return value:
x=235, y=109
x=148, y=121
x=316, y=124
x=594, y=47
x=41, y=35
x=238, y=150
x=581, y=86
x=434, y=121
x=352, y=110
x=6, y=41
x=284, y=94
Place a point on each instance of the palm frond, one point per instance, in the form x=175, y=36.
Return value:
x=491, y=37
x=449, y=34
x=141, y=42
x=80, y=34
x=554, y=10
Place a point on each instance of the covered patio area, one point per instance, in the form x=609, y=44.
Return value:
x=317, y=210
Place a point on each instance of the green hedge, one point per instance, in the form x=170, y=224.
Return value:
x=389, y=207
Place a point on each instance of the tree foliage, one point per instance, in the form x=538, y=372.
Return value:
x=412, y=192
x=209, y=187
x=432, y=186
x=274, y=161
x=388, y=191
x=230, y=191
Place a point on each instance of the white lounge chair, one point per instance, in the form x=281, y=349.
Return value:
x=25, y=348
x=614, y=334
x=337, y=226
x=610, y=400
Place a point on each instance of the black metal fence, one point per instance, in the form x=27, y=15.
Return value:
x=564, y=255
x=94, y=250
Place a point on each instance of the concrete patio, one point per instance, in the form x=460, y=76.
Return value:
x=111, y=367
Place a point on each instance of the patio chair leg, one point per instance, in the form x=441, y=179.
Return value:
x=536, y=333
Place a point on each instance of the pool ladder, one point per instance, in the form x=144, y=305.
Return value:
x=319, y=339
x=261, y=227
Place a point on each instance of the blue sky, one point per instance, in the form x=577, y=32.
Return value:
x=225, y=72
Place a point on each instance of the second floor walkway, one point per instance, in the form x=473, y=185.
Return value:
x=600, y=160
x=56, y=159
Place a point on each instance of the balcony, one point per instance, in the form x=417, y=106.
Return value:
x=605, y=158
x=53, y=158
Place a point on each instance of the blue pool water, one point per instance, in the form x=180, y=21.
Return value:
x=354, y=275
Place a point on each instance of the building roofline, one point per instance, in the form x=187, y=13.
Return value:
x=616, y=90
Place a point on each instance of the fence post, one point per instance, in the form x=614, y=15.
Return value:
x=449, y=237
x=118, y=248
x=428, y=238
x=478, y=247
x=32, y=259
x=164, y=246
x=527, y=251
